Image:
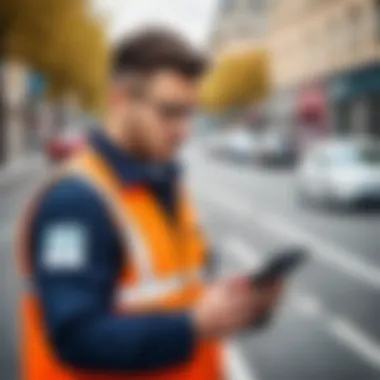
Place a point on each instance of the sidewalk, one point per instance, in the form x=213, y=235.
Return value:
x=10, y=173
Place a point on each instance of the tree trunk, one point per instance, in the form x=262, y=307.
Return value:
x=6, y=21
x=2, y=115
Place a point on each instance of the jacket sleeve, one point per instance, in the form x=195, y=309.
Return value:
x=77, y=299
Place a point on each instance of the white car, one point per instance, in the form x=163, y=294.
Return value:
x=236, y=144
x=341, y=173
x=276, y=149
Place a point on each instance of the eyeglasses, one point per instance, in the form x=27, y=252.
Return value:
x=165, y=109
x=173, y=110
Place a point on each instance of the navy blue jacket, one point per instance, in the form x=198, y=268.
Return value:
x=77, y=305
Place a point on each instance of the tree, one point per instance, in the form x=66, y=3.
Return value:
x=62, y=40
x=237, y=80
x=80, y=59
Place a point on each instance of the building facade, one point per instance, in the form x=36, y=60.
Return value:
x=238, y=22
x=329, y=50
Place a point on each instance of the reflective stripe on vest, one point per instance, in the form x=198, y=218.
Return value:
x=156, y=290
x=130, y=234
x=150, y=291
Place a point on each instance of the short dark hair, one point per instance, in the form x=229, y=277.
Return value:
x=156, y=48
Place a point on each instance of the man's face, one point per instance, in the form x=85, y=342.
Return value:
x=160, y=117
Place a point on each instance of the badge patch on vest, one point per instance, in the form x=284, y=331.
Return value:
x=64, y=247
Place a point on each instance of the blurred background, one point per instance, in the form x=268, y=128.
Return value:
x=285, y=149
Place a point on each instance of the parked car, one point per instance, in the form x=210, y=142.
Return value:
x=276, y=149
x=65, y=144
x=236, y=144
x=341, y=173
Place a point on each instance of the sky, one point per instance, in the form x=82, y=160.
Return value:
x=191, y=17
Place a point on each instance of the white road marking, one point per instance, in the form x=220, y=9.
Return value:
x=322, y=251
x=236, y=367
x=339, y=327
x=342, y=329
x=356, y=340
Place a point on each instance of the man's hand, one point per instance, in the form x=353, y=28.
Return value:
x=229, y=306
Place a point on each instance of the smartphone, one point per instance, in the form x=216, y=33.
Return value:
x=281, y=264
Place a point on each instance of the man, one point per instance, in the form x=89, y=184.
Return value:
x=111, y=250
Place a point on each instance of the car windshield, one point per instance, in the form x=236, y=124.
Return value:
x=356, y=154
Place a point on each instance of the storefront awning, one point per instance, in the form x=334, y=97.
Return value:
x=355, y=84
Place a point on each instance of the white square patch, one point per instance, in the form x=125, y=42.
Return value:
x=64, y=247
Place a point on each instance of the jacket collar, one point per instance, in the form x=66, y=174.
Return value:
x=133, y=171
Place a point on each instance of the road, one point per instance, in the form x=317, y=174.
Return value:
x=14, y=193
x=327, y=327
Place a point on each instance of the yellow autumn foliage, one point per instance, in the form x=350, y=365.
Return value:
x=237, y=80
x=61, y=39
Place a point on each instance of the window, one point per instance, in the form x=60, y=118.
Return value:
x=355, y=28
x=257, y=5
x=331, y=35
x=243, y=29
x=226, y=5
x=312, y=51
x=377, y=19
x=311, y=3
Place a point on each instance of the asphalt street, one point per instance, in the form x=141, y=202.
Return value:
x=328, y=325
x=15, y=190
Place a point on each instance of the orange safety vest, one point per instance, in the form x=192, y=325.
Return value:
x=163, y=272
